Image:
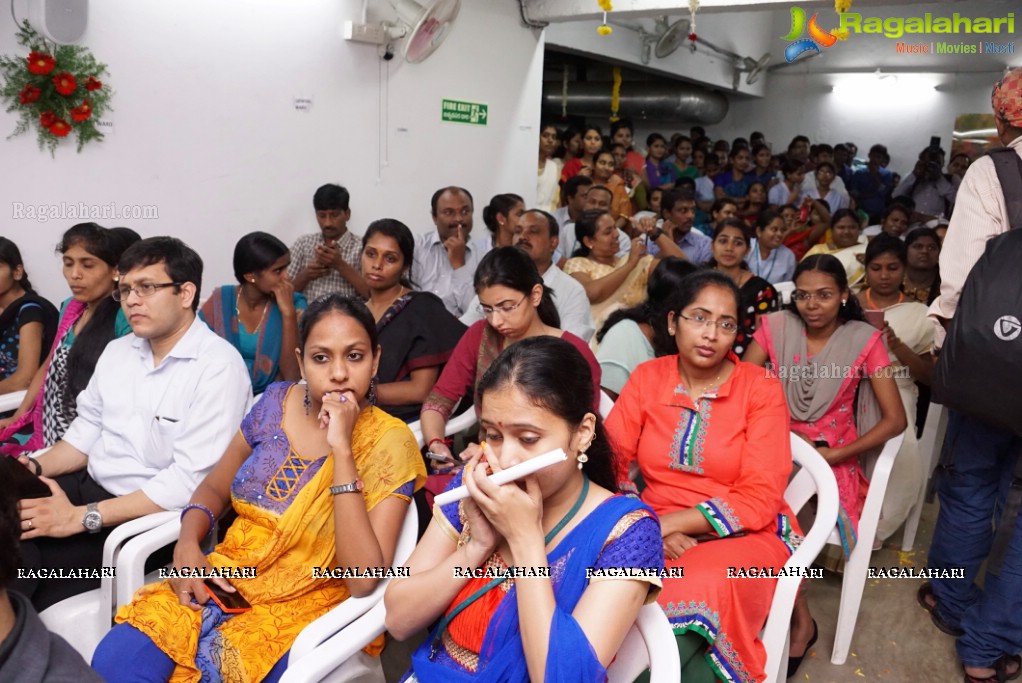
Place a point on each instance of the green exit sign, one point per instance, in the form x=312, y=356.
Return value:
x=472, y=113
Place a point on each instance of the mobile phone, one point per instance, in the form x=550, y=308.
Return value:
x=704, y=538
x=439, y=456
x=821, y=444
x=934, y=142
x=25, y=483
x=231, y=603
x=875, y=318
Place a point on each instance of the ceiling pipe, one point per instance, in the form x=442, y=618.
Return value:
x=655, y=101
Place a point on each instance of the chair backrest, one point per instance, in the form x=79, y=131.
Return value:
x=815, y=478
x=784, y=289
x=606, y=403
x=649, y=644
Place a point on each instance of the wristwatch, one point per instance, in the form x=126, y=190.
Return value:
x=655, y=234
x=93, y=521
x=354, y=487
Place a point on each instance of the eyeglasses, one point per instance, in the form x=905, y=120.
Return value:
x=143, y=290
x=700, y=320
x=824, y=295
x=487, y=311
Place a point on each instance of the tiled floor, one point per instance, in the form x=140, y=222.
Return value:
x=894, y=640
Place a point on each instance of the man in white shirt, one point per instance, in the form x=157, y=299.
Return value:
x=157, y=415
x=445, y=262
x=537, y=235
x=575, y=192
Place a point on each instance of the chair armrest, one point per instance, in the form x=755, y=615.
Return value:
x=136, y=552
x=11, y=401
x=114, y=544
x=338, y=648
x=334, y=621
x=460, y=423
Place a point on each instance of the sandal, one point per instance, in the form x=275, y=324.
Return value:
x=1000, y=668
x=926, y=591
x=795, y=662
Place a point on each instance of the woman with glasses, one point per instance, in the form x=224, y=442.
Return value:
x=822, y=333
x=259, y=316
x=756, y=296
x=516, y=305
x=709, y=434
x=417, y=334
x=88, y=321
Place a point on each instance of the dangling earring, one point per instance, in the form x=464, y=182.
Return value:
x=844, y=301
x=372, y=391
x=306, y=401
x=582, y=458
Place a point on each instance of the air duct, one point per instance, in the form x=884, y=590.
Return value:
x=655, y=101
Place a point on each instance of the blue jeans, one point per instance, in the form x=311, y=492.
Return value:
x=979, y=460
x=148, y=663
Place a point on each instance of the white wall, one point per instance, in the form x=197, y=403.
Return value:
x=205, y=129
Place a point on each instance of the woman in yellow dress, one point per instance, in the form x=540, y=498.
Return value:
x=308, y=459
x=846, y=246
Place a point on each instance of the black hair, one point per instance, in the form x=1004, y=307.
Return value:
x=512, y=268
x=878, y=149
x=768, y=216
x=895, y=207
x=10, y=535
x=759, y=147
x=653, y=137
x=690, y=287
x=797, y=139
x=11, y=256
x=331, y=197
x=399, y=232
x=553, y=227
x=886, y=244
x=450, y=188
x=554, y=376
x=683, y=138
x=567, y=134
x=829, y=165
x=663, y=281
x=575, y=183
x=756, y=135
x=619, y=124
x=754, y=183
x=697, y=131
x=739, y=143
x=345, y=305
x=180, y=261
x=823, y=147
x=905, y=201
x=919, y=233
x=686, y=182
x=675, y=195
x=585, y=226
x=255, y=252
x=502, y=204
x=791, y=166
x=602, y=188
x=844, y=213
x=829, y=265
x=738, y=224
x=99, y=330
x=720, y=203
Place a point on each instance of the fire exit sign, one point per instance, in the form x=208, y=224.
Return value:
x=472, y=113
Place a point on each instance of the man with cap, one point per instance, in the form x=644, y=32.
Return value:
x=978, y=458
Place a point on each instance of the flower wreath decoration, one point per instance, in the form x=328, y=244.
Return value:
x=55, y=90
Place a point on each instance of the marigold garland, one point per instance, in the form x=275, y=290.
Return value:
x=615, y=95
x=842, y=6
x=55, y=89
x=604, y=29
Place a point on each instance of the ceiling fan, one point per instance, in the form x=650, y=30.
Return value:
x=742, y=65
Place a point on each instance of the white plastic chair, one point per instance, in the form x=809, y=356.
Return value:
x=11, y=401
x=84, y=619
x=325, y=644
x=816, y=478
x=606, y=404
x=930, y=445
x=784, y=290
x=649, y=644
x=854, y=580
x=456, y=424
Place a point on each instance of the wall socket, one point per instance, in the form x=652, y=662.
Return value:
x=365, y=33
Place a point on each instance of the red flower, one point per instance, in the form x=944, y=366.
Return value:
x=40, y=64
x=82, y=112
x=65, y=83
x=60, y=128
x=93, y=84
x=30, y=94
x=47, y=119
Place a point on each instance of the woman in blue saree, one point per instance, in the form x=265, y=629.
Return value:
x=551, y=526
x=259, y=316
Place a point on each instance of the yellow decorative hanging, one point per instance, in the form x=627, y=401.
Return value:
x=615, y=95
x=840, y=33
x=604, y=29
x=606, y=5
x=842, y=6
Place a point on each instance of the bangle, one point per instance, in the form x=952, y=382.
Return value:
x=446, y=442
x=209, y=513
x=36, y=466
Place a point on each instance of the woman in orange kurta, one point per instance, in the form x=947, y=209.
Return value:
x=306, y=458
x=710, y=436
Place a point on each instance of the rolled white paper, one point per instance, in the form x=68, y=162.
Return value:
x=513, y=473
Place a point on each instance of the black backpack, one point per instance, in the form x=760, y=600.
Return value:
x=979, y=371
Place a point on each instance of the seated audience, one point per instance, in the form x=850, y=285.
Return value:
x=894, y=221
x=537, y=235
x=592, y=143
x=846, y=419
x=957, y=165
x=789, y=191
x=704, y=189
x=721, y=209
x=657, y=172
x=259, y=316
x=28, y=652
x=88, y=320
x=571, y=144
x=678, y=210
x=634, y=185
x=327, y=262
x=563, y=627
x=757, y=201
x=154, y=419
x=871, y=187
x=909, y=336
x=417, y=334
x=768, y=257
x=709, y=434
x=760, y=161
x=598, y=198
x=846, y=245
x=632, y=336
x=574, y=192
x=933, y=194
x=603, y=174
x=820, y=155
x=733, y=182
x=516, y=305
x=922, y=274
x=683, y=153
x=621, y=133
x=549, y=175
x=306, y=458
x=822, y=189
x=757, y=296
x=807, y=232
x=445, y=261
x=500, y=217
x=27, y=322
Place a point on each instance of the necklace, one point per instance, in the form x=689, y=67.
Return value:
x=237, y=311
x=400, y=293
x=873, y=306
x=688, y=384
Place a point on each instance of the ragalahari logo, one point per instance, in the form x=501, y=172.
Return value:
x=803, y=46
